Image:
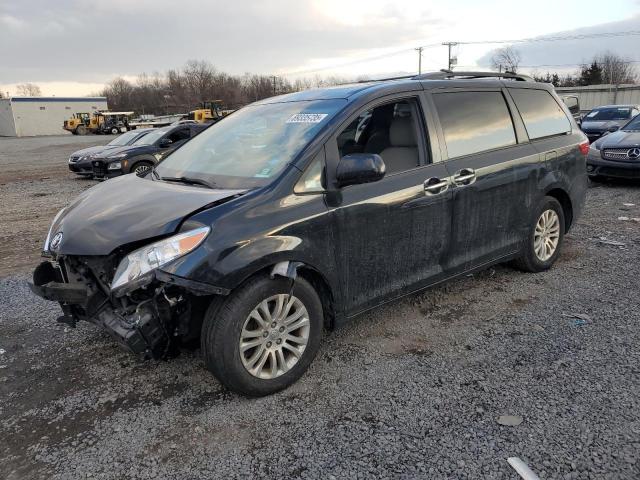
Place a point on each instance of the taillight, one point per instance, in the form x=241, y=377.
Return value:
x=584, y=147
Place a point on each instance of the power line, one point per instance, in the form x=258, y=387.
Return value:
x=556, y=38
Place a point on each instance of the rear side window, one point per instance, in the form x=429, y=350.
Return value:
x=474, y=122
x=541, y=114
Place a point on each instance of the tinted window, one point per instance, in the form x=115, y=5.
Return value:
x=540, y=112
x=388, y=130
x=474, y=122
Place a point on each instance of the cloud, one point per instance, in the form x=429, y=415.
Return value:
x=567, y=54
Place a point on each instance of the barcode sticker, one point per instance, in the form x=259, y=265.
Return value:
x=307, y=118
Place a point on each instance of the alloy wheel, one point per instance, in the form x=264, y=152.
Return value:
x=274, y=336
x=139, y=170
x=547, y=235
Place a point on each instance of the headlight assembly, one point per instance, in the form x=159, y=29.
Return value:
x=135, y=269
x=115, y=166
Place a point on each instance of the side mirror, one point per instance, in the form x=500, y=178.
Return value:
x=614, y=128
x=165, y=142
x=359, y=168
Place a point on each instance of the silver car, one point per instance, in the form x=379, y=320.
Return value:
x=607, y=118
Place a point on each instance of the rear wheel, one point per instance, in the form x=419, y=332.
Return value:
x=115, y=131
x=141, y=168
x=264, y=336
x=545, y=238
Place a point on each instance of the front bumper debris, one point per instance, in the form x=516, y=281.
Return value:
x=148, y=322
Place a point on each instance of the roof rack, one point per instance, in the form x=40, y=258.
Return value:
x=447, y=74
x=403, y=77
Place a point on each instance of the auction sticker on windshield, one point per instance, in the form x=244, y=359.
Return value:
x=307, y=118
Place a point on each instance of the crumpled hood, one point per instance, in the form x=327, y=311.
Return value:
x=128, y=209
x=620, y=139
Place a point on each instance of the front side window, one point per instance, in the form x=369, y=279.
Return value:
x=388, y=130
x=541, y=114
x=151, y=137
x=251, y=146
x=474, y=122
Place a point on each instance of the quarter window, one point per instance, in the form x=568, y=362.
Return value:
x=474, y=122
x=313, y=178
x=541, y=114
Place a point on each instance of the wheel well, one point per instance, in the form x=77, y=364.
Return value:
x=567, y=208
x=320, y=285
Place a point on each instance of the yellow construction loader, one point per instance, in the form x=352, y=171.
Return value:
x=209, y=112
x=83, y=123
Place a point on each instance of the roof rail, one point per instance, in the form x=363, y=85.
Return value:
x=403, y=77
x=447, y=74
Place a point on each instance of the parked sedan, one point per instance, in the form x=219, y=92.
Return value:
x=80, y=161
x=608, y=118
x=144, y=153
x=616, y=154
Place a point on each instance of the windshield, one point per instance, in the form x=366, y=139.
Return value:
x=126, y=138
x=150, y=137
x=633, y=124
x=251, y=146
x=612, y=113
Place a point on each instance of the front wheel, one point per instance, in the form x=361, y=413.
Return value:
x=141, y=168
x=545, y=237
x=264, y=336
x=115, y=131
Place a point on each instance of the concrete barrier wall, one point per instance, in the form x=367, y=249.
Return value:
x=596, y=95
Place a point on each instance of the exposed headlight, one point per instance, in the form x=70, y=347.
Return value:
x=114, y=166
x=118, y=155
x=594, y=147
x=45, y=247
x=136, y=267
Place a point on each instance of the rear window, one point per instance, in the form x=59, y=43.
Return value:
x=474, y=122
x=541, y=114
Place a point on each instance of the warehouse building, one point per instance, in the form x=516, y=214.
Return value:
x=30, y=116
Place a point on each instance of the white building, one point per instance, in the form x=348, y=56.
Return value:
x=30, y=116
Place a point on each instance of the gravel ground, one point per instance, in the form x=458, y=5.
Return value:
x=410, y=390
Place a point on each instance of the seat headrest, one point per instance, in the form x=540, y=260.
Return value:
x=402, y=133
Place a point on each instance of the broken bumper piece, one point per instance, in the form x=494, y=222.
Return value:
x=146, y=322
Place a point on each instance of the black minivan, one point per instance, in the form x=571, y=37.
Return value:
x=300, y=212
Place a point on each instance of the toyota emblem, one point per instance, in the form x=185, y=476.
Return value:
x=56, y=240
x=633, y=153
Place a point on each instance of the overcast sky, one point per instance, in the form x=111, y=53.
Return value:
x=73, y=47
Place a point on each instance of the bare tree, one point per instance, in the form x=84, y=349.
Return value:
x=506, y=59
x=615, y=69
x=29, y=90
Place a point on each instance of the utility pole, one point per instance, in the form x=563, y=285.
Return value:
x=419, y=50
x=452, y=61
x=273, y=77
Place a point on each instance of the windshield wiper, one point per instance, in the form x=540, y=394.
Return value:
x=189, y=181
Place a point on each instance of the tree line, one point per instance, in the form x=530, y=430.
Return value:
x=604, y=69
x=181, y=90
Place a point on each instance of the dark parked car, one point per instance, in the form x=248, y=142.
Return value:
x=608, y=118
x=80, y=161
x=144, y=153
x=617, y=154
x=299, y=212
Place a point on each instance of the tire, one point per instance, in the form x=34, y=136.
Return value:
x=141, y=168
x=115, y=131
x=81, y=130
x=225, y=323
x=534, y=260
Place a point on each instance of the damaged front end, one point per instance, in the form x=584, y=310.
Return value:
x=146, y=310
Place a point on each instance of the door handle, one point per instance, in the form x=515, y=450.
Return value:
x=466, y=176
x=434, y=185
